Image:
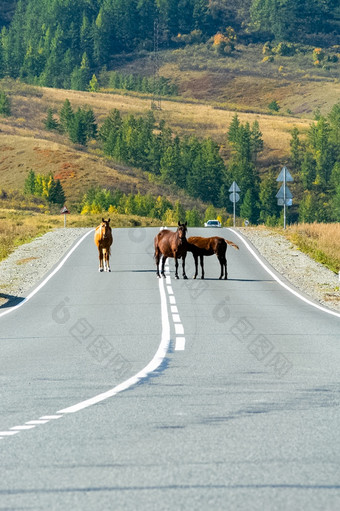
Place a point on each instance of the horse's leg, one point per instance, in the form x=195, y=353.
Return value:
x=108, y=260
x=220, y=259
x=183, y=266
x=176, y=268
x=196, y=265
x=157, y=257
x=163, y=266
x=100, y=259
x=225, y=268
x=202, y=265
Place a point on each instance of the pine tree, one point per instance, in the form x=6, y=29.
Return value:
x=56, y=193
x=30, y=183
x=50, y=122
x=295, y=145
x=267, y=199
x=5, y=104
x=66, y=116
x=93, y=85
x=78, y=129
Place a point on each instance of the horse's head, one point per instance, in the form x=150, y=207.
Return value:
x=182, y=230
x=105, y=228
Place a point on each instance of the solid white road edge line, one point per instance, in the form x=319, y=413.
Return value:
x=62, y=262
x=152, y=366
x=279, y=281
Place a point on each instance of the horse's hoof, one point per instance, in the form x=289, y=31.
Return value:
x=100, y=269
x=176, y=277
x=185, y=277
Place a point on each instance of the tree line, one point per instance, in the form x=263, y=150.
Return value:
x=98, y=200
x=315, y=160
x=44, y=186
x=60, y=43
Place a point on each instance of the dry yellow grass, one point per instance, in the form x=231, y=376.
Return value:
x=185, y=118
x=320, y=241
x=19, y=227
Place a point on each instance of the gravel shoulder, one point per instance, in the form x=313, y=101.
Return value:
x=30, y=262
x=311, y=278
x=25, y=267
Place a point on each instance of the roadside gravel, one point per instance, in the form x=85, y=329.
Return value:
x=28, y=264
x=312, y=278
x=25, y=267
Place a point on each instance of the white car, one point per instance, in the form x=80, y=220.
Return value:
x=212, y=223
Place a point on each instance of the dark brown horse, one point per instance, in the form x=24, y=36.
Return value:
x=103, y=239
x=201, y=247
x=171, y=244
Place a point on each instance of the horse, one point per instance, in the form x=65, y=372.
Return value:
x=171, y=244
x=208, y=246
x=103, y=240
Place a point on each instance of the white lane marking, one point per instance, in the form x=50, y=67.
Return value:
x=176, y=318
x=37, y=422
x=279, y=281
x=180, y=344
x=179, y=329
x=172, y=299
x=152, y=366
x=42, y=284
x=50, y=417
x=170, y=290
x=21, y=428
x=174, y=309
x=168, y=279
x=8, y=433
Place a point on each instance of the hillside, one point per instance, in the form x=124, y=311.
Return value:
x=26, y=144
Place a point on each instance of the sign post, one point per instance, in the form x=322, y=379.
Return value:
x=284, y=195
x=64, y=211
x=234, y=197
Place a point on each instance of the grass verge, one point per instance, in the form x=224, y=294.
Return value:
x=19, y=227
x=320, y=241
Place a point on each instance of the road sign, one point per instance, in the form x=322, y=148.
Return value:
x=234, y=197
x=285, y=175
x=64, y=211
x=284, y=193
x=234, y=188
x=282, y=202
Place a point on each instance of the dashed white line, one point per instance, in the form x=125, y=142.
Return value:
x=180, y=344
x=179, y=329
x=22, y=428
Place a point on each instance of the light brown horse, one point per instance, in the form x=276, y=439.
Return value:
x=103, y=239
x=171, y=244
x=201, y=247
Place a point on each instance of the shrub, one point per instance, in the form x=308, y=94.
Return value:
x=273, y=106
x=5, y=105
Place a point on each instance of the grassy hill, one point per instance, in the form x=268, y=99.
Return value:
x=211, y=89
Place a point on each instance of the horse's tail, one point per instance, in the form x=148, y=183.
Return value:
x=232, y=244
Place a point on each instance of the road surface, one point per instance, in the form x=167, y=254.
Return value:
x=120, y=391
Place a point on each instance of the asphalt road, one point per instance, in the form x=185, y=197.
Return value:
x=120, y=391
